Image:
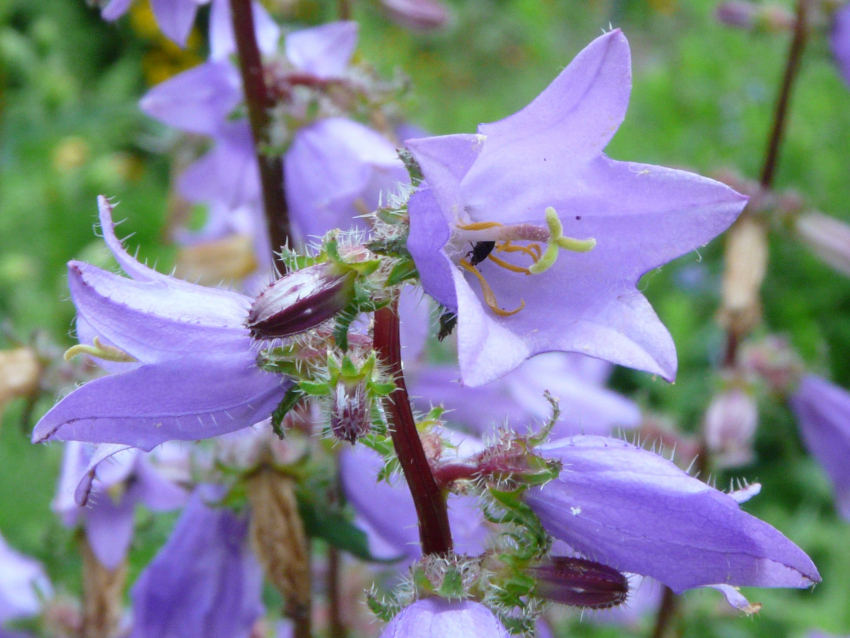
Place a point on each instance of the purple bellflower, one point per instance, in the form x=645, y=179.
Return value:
x=839, y=41
x=205, y=581
x=174, y=17
x=517, y=398
x=185, y=366
x=637, y=512
x=823, y=413
x=102, y=485
x=385, y=511
x=23, y=585
x=440, y=618
x=537, y=239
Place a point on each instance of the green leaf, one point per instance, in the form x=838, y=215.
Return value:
x=290, y=399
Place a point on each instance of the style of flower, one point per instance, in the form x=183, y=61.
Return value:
x=23, y=585
x=823, y=414
x=537, y=239
x=637, y=512
x=205, y=581
x=440, y=618
x=174, y=17
x=102, y=485
x=182, y=360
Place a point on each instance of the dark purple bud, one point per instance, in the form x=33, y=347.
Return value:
x=418, y=15
x=351, y=413
x=580, y=583
x=300, y=301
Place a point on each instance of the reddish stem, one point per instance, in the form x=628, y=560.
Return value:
x=259, y=102
x=434, y=530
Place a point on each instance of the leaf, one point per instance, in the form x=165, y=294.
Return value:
x=289, y=401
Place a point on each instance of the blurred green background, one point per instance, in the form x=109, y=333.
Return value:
x=702, y=99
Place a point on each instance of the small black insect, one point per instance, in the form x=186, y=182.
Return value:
x=448, y=321
x=480, y=251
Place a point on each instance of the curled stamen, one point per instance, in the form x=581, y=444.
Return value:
x=101, y=351
x=508, y=266
x=489, y=297
x=532, y=250
x=479, y=225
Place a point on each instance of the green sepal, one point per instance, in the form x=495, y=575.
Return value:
x=384, y=610
x=289, y=401
x=452, y=585
x=348, y=371
x=314, y=388
x=395, y=247
x=343, y=322
x=363, y=268
x=412, y=166
x=402, y=271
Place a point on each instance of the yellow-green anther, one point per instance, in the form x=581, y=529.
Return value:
x=557, y=241
x=101, y=351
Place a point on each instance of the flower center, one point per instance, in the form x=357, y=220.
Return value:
x=490, y=238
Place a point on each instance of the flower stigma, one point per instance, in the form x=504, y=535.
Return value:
x=489, y=238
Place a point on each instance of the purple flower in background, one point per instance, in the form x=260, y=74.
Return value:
x=637, y=512
x=823, y=414
x=440, y=618
x=386, y=512
x=174, y=17
x=102, y=485
x=187, y=369
x=517, y=398
x=23, y=585
x=839, y=41
x=205, y=581
x=537, y=239
x=417, y=15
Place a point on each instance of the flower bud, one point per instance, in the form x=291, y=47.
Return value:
x=351, y=414
x=418, y=15
x=580, y=583
x=828, y=238
x=746, y=265
x=730, y=423
x=19, y=374
x=300, y=301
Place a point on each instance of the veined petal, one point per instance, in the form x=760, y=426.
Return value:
x=323, y=51
x=198, y=100
x=184, y=399
x=440, y=618
x=429, y=233
x=175, y=18
x=637, y=512
x=155, y=320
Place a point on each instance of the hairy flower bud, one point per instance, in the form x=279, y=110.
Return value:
x=19, y=373
x=580, y=583
x=300, y=301
x=419, y=15
x=730, y=423
x=828, y=238
x=350, y=411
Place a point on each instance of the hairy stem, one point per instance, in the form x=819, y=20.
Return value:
x=258, y=102
x=434, y=531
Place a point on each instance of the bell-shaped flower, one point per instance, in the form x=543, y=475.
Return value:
x=205, y=581
x=440, y=618
x=102, y=486
x=182, y=356
x=23, y=585
x=634, y=510
x=823, y=414
x=537, y=239
x=518, y=398
x=839, y=41
x=174, y=17
x=385, y=511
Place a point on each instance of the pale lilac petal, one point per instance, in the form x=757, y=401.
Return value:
x=155, y=321
x=73, y=479
x=198, y=100
x=323, y=51
x=823, y=414
x=415, y=323
x=175, y=18
x=445, y=161
x=389, y=511
x=183, y=399
x=109, y=526
x=153, y=490
x=332, y=164
x=440, y=618
x=428, y=234
x=222, y=43
x=639, y=513
x=839, y=41
x=736, y=599
x=114, y=9
x=204, y=582
x=23, y=585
